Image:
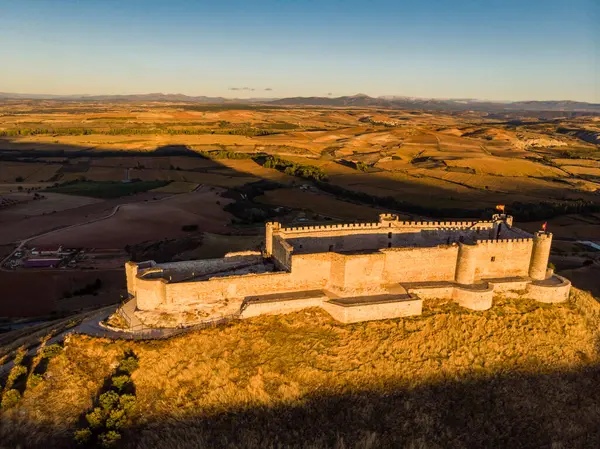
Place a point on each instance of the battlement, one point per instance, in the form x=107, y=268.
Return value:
x=503, y=241
x=442, y=225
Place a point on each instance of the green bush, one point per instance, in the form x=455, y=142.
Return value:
x=20, y=354
x=116, y=419
x=129, y=365
x=120, y=382
x=109, y=439
x=82, y=436
x=16, y=372
x=127, y=402
x=109, y=400
x=293, y=169
x=51, y=351
x=96, y=418
x=10, y=398
x=35, y=380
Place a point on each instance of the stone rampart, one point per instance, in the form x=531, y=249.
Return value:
x=502, y=258
x=374, y=311
x=257, y=308
x=420, y=264
x=554, y=290
x=282, y=252
x=474, y=298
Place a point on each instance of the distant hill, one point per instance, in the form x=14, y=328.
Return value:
x=133, y=97
x=439, y=104
x=359, y=100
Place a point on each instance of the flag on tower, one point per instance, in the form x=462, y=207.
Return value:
x=544, y=226
x=500, y=208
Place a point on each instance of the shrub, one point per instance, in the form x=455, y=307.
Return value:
x=120, y=382
x=551, y=266
x=10, y=398
x=189, y=227
x=16, y=372
x=20, y=354
x=82, y=436
x=361, y=166
x=127, y=402
x=96, y=418
x=51, y=351
x=129, y=365
x=109, y=439
x=109, y=400
x=35, y=380
x=116, y=419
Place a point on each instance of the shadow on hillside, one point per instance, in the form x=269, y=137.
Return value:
x=406, y=195
x=558, y=410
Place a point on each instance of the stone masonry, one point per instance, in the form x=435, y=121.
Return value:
x=356, y=272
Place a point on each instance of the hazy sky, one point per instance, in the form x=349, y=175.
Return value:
x=487, y=49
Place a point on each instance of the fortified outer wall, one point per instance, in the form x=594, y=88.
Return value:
x=281, y=252
x=363, y=236
x=359, y=260
x=503, y=258
x=420, y=264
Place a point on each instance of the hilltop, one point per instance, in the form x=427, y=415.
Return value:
x=523, y=371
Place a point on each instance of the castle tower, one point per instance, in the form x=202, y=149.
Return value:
x=466, y=264
x=540, y=254
x=270, y=227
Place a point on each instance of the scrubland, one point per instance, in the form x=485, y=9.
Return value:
x=522, y=374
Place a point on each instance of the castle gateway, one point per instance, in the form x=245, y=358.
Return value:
x=356, y=272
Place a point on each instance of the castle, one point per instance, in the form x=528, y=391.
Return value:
x=356, y=272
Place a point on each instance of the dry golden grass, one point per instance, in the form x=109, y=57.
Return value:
x=581, y=170
x=522, y=374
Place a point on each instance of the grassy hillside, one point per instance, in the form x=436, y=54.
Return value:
x=522, y=374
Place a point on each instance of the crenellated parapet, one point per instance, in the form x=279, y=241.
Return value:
x=385, y=224
x=505, y=242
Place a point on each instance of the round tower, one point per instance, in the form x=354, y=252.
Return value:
x=466, y=264
x=540, y=254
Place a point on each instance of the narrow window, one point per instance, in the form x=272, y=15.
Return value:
x=493, y=258
x=330, y=247
x=389, y=244
x=300, y=246
x=390, y=225
x=389, y=235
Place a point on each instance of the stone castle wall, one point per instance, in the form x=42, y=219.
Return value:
x=462, y=261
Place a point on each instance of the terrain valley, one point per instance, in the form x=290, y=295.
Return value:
x=89, y=184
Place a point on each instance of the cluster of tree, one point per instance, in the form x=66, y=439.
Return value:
x=113, y=408
x=248, y=131
x=226, y=154
x=361, y=166
x=15, y=132
x=246, y=210
x=88, y=289
x=20, y=378
x=291, y=168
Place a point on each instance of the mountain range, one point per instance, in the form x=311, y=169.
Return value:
x=359, y=100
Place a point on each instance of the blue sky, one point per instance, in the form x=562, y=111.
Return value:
x=498, y=50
